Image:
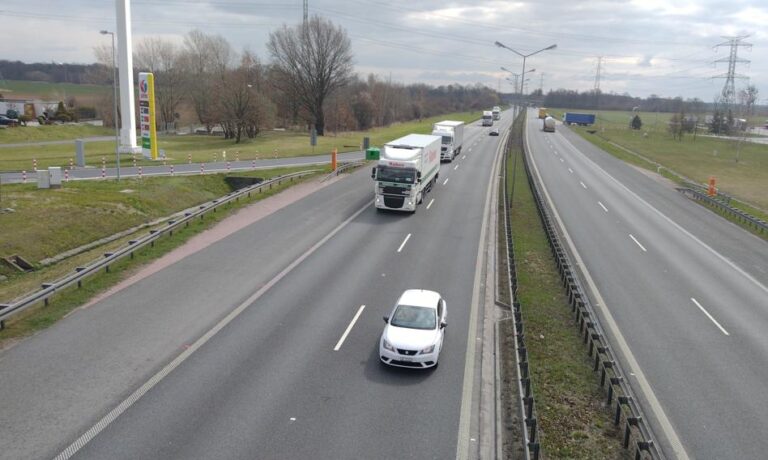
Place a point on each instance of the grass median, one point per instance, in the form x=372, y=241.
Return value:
x=574, y=421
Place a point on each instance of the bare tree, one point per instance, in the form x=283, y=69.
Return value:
x=205, y=60
x=748, y=97
x=242, y=107
x=314, y=59
x=163, y=59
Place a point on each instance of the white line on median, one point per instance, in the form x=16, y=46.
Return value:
x=430, y=203
x=404, y=241
x=446, y=181
x=602, y=206
x=637, y=242
x=582, y=184
x=349, y=328
x=710, y=316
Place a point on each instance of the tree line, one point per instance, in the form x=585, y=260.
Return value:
x=307, y=83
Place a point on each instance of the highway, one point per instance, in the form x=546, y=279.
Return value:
x=681, y=292
x=264, y=344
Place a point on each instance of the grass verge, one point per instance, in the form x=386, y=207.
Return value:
x=573, y=419
x=204, y=148
x=40, y=316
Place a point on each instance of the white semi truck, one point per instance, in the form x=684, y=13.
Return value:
x=496, y=112
x=408, y=168
x=452, y=133
x=487, y=118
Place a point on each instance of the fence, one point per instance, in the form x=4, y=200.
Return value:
x=49, y=289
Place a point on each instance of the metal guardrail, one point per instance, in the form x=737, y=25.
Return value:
x=341, y=167
x=724, y=206
x=627, y=409
x=529, y=428
x=49, y=289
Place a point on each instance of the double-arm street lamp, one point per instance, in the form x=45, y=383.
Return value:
x=517, y=75
x=524, y=56
x=114, y=89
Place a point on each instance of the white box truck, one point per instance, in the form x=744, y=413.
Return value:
x=496, y=112
x=408, y=168
x=487, y=118
x=452, y=133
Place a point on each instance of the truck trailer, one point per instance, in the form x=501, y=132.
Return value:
x=542, y=112
x=496, y=112
x=581, y=119
x=487, y=118
x=452, y=134
x=548, y=125
x=407, y=170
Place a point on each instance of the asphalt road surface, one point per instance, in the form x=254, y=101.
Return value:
x=685, y=289
x=264, y=344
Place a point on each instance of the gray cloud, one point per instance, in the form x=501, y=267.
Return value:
x=649, y=46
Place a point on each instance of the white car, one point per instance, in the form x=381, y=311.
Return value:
x=413, y=336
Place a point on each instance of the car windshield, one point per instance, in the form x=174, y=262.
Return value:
x=404, y=176
x=414, y=317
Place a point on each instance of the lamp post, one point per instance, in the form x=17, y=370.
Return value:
x=524, y=56
x=517, y=75
x=114, y=102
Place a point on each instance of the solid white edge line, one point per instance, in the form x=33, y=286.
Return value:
x=465, y=413
x=602, y=206
x=637, y=242
x=349, y=328
x=403, y=243
x=634, y=367
x=710, y=316
x=155, y=379
x=430, y=203
x=446, y=180
x=685, y=232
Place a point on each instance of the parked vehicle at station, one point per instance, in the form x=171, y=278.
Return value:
x=581, y=119
x=548, y=125
x=452, y=134
x=413, y=336
x=487, y=118
x=407, y=170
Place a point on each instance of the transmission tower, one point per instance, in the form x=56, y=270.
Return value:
x=306, y=11
x=729, y=89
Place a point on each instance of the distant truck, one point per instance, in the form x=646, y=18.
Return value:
x=407, y=169
x=542, y=113
x=581, y=119
x=452, y=134
x=487, y=118
x=496, y=112
x=548, y=125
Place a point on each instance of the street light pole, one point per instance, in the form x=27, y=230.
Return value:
x=114, y=102
x=524, y=56
x=516, y=75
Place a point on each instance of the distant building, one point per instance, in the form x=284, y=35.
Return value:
x=31, y=108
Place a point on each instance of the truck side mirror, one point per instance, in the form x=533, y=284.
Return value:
x=418, y=176
x=373, y=173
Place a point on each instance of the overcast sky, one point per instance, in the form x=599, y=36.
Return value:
x=663, y=47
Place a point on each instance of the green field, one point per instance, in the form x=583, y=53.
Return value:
x=18, y=89
x=740, y=168
x=202, y=148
